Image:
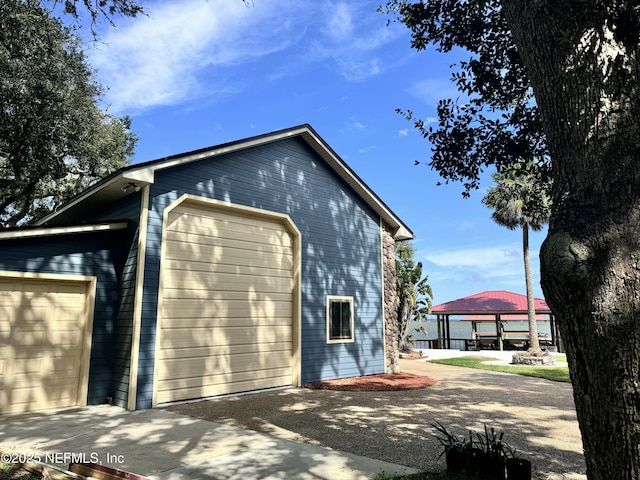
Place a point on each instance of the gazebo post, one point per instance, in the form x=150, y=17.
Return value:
x=499, y=332
x=555, y=333
x=474, y=332
x=448, y=331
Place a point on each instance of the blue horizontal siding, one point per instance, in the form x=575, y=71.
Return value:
x=340, y=248
x=126, y=208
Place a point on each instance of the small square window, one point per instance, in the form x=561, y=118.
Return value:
x=339, y=319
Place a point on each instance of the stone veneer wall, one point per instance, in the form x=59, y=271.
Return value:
x=390, y=298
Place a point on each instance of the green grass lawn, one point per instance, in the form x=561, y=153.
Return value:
x=438, y=476
x=427, y=476
x=557, y=374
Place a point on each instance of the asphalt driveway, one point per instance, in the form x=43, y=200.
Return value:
x=537, y=416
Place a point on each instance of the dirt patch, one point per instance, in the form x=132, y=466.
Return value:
x=376, y=383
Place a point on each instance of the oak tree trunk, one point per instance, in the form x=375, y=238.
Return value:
x=582, y=60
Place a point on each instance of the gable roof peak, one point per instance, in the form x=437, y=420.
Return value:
x=132, y=178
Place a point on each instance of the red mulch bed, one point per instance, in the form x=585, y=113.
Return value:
x=376, y=383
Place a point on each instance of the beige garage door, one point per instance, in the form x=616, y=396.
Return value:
x=227, y=304
x=42, y=337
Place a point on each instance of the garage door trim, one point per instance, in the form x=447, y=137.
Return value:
x=230, y=208
x=91, y=283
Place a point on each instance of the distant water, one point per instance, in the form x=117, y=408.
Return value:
x=461, y=329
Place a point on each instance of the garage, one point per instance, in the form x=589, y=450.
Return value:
x=228, y=301
x=207, y=272
x=45, y=340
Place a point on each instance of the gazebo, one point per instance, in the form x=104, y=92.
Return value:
x=497, y=306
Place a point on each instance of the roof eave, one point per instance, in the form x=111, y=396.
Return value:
x=144, y=174
x=62, y=230
x=401, y=231
x=119, y=185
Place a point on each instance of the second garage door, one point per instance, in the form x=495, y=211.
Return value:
x=227, y=304
x=44, y=342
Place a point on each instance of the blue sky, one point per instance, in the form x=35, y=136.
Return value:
x=195, y=73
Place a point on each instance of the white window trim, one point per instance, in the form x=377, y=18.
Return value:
x=340, y=298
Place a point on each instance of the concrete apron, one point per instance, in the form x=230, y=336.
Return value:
x=166, y=446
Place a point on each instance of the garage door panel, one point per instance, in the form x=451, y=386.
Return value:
x=29, y=312
x=203, y=215
x=227, y=226
x=46, y=395
x=54, y=380
x=224, y=388
x=263, y=349
x=176, y=368
x=46, y=339
x=218, y=268
x=194, y=253
x=179, y=295
x=42, y=340
x=213, y=322
x=218, y=230
x=235, y=283
x=246, y=311
x=227, y=304
x=182, y=303
x=206, y=336
x=220, y=378
x=281, y=245
x=239, y=243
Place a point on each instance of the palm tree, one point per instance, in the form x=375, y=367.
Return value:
x=414, y=293
x=521, y=198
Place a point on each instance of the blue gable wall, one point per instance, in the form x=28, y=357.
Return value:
x=90, y=254
x=340, y=248
x=128, y=208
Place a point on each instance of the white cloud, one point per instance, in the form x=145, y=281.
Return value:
x=339, y=25
x=491, y=257
x=432, y=90
x=357, y=125
x=404, y=132
x=353, y=36
x=192, y=49
x=368, y=149
x=490, y=267
x=353, y=125
x=160, y=59
x=461, y=225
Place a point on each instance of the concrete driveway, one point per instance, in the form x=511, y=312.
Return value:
x=315, y=434
x=167, y=446
x=537, y=416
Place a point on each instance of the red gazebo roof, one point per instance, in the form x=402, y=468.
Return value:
x=505, y=317
x=490, y=302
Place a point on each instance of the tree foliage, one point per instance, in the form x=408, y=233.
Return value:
x=496, y=121
x=81, y=12
x=103, y=8
x=414, y=293
x=54, y=138
x=521, y=199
